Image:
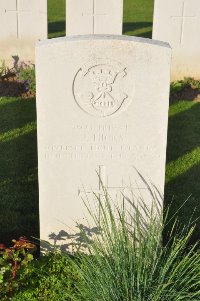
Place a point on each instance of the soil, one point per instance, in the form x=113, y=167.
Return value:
x=11, y=87
x=188, y=93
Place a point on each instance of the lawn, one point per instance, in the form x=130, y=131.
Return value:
x=18, y=169
x=56, y=18
x=18, y=142
x=183, y=160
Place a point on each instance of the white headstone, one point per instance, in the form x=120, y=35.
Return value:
x=22, y=23
x=178, y=23
x=102, y=106
x=94, y=17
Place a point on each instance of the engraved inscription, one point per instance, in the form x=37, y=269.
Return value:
x=89, y=152
x=97, y=152
x=98, y=142
x=99, y=89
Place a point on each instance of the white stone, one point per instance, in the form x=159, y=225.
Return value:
x=94, y=17
x=22, y=24
x=102, y=106
x=178, y=22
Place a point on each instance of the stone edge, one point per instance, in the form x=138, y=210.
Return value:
x=102, y=37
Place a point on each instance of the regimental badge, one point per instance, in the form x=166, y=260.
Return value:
x=100, y=89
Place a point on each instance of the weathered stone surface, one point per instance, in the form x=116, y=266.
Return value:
x=178, y=22
x=22, y=23
x=102, y=105
x=94, y=17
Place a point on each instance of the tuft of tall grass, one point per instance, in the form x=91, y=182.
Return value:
x=128, y=260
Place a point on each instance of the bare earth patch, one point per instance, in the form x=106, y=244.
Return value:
x=10, y=86
x=187, y=93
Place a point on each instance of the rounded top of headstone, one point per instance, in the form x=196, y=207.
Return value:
x=104, y=37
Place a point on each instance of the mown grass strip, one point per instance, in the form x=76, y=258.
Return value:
x=16, y=133
x=182, y=164
x=180, y=107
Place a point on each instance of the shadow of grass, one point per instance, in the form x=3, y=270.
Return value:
x=16, y=113
x=178, y=191
x=183, y=133
x=183, y=142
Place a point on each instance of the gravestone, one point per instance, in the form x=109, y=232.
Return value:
x=102, y=108
x=178, y=23
x=94, y=17
x=22, y=23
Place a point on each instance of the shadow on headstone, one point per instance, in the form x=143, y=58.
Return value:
x=69, y=242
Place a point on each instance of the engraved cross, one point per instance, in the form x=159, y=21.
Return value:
x=93, y=15
x=183, y=17
x=17, y=11
x=103, y=184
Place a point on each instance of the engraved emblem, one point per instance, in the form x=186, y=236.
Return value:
x=100, y=89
